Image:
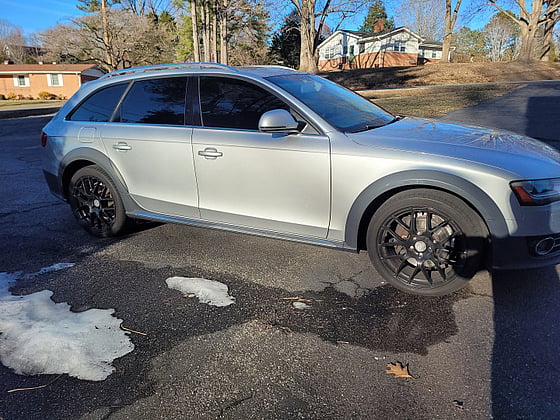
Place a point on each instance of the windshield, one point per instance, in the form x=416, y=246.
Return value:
x=342, y=108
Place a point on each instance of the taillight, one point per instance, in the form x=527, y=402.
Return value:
x=43, y=139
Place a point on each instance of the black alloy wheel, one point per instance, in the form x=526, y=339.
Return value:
x=426, y=242
x=96, y=203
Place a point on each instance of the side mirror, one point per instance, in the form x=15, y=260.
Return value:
x=278, y=121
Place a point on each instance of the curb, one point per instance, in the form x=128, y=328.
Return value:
x=27, y=112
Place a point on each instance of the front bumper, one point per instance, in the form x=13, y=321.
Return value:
x=519, y=253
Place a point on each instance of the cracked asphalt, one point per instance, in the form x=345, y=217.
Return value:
x=489, y=351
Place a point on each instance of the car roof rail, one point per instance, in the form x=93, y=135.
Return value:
x=170, y=66
x=268, y=66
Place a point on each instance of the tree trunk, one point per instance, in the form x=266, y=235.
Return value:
x=307, y=61
x=106, y=40
x=548, y=38
x=528, y=48
x=223, y=32
x=214, y=40
x=450, y=19
x=196, y=43
x=206, y=30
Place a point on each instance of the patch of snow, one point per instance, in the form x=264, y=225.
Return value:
x=207, y=291
x=301, y=305
x=50, y=269
x=39, y=336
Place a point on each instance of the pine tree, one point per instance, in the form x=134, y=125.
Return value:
x=286, y=43
x=376, y=12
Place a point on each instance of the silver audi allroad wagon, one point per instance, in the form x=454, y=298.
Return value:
x=289, y=155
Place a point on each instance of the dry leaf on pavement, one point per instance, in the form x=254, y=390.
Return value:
x=398, y=369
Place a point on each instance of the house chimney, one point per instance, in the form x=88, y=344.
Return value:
x=379, y=26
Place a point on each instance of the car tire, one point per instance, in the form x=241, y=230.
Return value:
x=96, y=203
x=426, y=242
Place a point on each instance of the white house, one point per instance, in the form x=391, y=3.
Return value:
x=395, y=47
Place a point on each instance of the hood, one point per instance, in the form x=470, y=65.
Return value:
x=483, y=145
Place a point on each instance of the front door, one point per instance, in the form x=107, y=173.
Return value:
x=271, y=182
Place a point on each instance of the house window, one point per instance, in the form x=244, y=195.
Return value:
x=331, y=52
x=21, y=81
x=434, y=54
x=399, y=46
x=54, y=79
x=351, y=50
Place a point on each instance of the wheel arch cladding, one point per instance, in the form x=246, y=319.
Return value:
x=82, y=157
x=378, y=192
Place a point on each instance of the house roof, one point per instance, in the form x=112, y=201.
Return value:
x=363, y=36
x=45, y=68
x=431, y=43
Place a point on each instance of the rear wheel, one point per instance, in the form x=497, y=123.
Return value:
x=96, y=203
x=426, y=242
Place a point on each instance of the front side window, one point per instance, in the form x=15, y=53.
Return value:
x=155, y=101
x=233, y=103
x=100, y=106
x=340, y=107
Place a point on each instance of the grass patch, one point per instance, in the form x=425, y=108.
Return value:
x=435, y=102
x=11, y=103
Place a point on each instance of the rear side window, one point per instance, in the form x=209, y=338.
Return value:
x=232, y=103
x=155, y=101
x=100, y=106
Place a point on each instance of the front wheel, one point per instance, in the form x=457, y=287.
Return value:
x=426, y=242
x=96, y=203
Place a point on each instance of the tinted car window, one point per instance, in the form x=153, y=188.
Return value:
x=232, y=103
x=155, y=101
x=342, y=108
x=99, y=106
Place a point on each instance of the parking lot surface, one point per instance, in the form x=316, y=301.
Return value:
x=487, y=351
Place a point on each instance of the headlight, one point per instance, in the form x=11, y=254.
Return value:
x=537, y=192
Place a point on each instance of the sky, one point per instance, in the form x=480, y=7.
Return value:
x=37, y=15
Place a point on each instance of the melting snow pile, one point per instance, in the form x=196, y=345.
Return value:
x=38, y=336
x=207, y=291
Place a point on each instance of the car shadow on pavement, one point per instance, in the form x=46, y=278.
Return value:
x=525, y=358
x=542, y=119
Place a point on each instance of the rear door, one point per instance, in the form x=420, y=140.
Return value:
x=150, y=145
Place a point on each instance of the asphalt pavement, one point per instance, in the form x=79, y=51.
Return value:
x=532, y=110
x=489, y=351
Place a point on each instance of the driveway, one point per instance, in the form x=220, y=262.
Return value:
x=488, y=351
x=533, y=110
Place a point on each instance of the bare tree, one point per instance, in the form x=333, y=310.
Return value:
x=500, y=35
x=424, y=17
x=133, y=40
x=533, y=16
x=12, y=42
x=312, y=14
x=451, y=14
x=552, y=18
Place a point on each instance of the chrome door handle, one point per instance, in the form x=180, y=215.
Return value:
x=122, y=146
x=210, y=153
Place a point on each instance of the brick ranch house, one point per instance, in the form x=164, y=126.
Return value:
x=358, y=50
x=63, y=80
